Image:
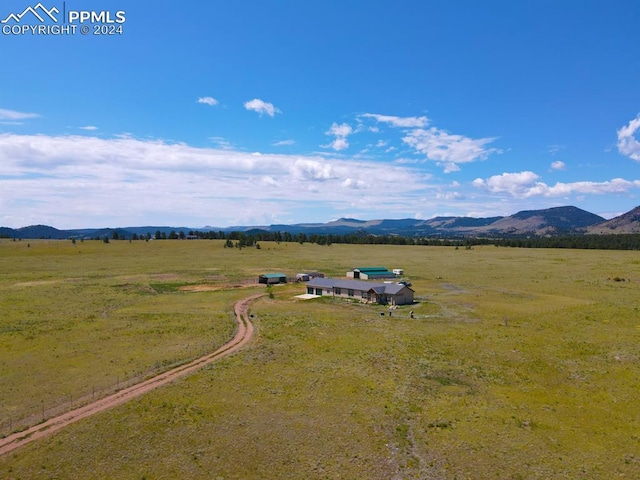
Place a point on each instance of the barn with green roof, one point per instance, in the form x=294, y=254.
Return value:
x=272, y=278
x=370, y=273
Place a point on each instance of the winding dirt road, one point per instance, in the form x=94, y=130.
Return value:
x=242, y=336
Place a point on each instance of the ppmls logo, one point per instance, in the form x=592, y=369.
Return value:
x=39, y=20
x=39, y=11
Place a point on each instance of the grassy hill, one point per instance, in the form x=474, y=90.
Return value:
x=518, y=363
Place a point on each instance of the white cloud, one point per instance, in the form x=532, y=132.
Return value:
x=448, y=196
x=261, y=107
x=78, y=181
x=222, y=142
x=616, y=185
x=438, y=145
x=268, y=180
x=628, y=145
x=526, y=185
x=208, y=101
x=401, y=122
x=558, y=165
x=514, y=184
x=449, y=150
x=89, y=128
x=553, y=149
x=312, y=170
x=338, y=144
x=341, y=132
x=13, y=115
x=282, y=143
x=353, y=184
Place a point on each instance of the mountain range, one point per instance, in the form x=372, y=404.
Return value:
x=567, y=220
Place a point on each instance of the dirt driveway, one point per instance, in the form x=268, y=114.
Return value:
x=242, y=336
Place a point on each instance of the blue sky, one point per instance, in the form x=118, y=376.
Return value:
x=258, y=112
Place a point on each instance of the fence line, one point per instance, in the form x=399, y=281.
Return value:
x=12, y=424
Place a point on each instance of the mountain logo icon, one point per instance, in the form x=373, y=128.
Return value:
x=39, y=11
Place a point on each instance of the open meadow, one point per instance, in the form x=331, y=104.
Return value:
x=518, y=363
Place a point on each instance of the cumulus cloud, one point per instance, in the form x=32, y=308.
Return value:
x=261, y=107
x=354, y=184
x=341, y=132
x=514, y=184
x=526, y=184
x=14, y=115
x=628, y=145
x=558, y=165
x=268, y=180
x=208, y=101
x=449, y=150
x=89, y=128
x=312, y=170
x=400, y=122
x=77, y=180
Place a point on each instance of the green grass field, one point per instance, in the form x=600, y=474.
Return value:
x=519, y=363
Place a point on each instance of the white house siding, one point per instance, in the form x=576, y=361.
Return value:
x=370, y=292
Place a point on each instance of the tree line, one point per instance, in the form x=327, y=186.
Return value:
x=252, y=239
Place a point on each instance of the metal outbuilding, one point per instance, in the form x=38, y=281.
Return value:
x=272, y=278
x=370, y=273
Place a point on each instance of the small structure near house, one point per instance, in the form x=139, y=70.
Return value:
x=370, y=273
x=272, y=278
x=305, y=277
x=398, y=272
x=366, y=292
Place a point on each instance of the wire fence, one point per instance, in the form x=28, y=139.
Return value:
x=18, y=422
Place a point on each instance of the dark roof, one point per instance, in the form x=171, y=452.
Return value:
x=391, y=288
x=371, y=269
x=394, y=288
x=380, y=274
x=340, y=283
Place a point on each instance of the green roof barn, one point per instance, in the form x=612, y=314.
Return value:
x=272, y=278
x=371, y=273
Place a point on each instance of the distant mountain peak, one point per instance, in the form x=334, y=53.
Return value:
x=348, y=220
x=547, y=221
x=626, y=223
x=550, y=221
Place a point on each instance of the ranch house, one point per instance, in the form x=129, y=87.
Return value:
x=366, y=292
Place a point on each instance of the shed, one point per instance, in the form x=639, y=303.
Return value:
x=370, y=273
x=272, y=278
x=305, y=277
